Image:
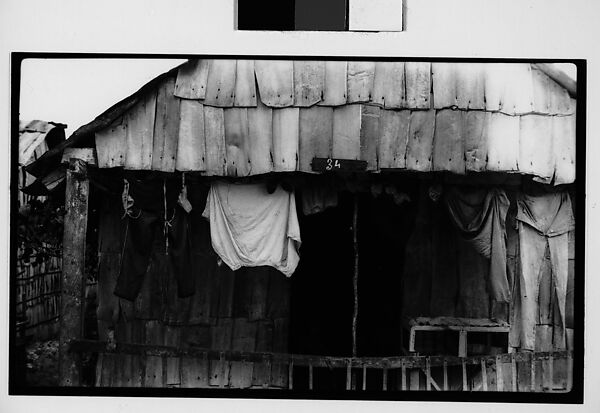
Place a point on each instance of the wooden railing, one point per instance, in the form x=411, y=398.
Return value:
x=516, y=372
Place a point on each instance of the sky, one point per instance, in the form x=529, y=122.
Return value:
x=75, y=91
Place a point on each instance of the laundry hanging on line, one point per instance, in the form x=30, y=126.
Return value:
x=544, y=220
x=251, y=227
x=150, y=208
x=480, y=216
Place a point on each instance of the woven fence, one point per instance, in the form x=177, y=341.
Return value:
x=38, y=292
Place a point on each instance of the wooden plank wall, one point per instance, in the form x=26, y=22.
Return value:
x=243, y=310
x=248, y=117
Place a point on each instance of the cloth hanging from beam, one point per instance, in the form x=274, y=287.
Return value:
x=150, y=208
x=544, y=219
x=250, y=227
x=480, y=216
x=318, y=197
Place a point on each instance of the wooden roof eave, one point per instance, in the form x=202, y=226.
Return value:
x=51, y=159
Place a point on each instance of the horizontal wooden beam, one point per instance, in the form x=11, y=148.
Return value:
x=392, y=362
x=87, y=155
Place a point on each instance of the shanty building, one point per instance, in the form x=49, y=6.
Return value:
x=310, y=225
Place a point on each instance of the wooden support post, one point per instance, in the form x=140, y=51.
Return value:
x=267, y=376
x=291, y=375
x=428, y=373
x=499, y=376
x=310, y=377
x=446, y=375
x=364, y=377
x=349, y=375
x=222, y=370
x=569, y=372
x=532, y=373
x=403, y=377
x=484, y=375
x=73, y=273
x=551, y=373
x=462, y=343
x=414, y=380
x=355, y=280
x=513, y=370
x=464, y=375
x=385, y=379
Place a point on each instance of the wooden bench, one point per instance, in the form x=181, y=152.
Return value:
x=462, y=325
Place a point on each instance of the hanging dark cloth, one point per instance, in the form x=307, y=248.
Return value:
x=480, y=216
x=318, y=196
x=544, y=219
x=150, y=209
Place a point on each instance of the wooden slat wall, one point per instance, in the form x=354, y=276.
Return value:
x=335, y=87
x=448, y=147
x=237, y=141
x=191, y=152
x=286, y=134
x=140, y=133
x=111, y=145
x=346, y=132
x=262, y=116
x=511, y=88
x=191, y=80
x=275, y=82
x=389, y=88
x=420, y=140
x=245, y=310
x=260, y=134
x=393, y=138
x=166, y=128
x=536, y=154
x=220, y=84
x=245, y=84
x=360, y=81
x=214, y=134
x=309, y=79
x=316, y=135
x=418, y=84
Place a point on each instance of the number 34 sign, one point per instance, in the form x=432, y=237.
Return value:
x=334, y=164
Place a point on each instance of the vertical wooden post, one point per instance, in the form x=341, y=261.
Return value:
x=513, y=370
x=484, y=375
x=355, y=282
x=464, y=375
x=532, y=389
x=499, y=376
x=446, y=375
x=569, y=372
x=348, y=375
x=291, y=375
x=73, y=273
x=385, y=379
x=428, y=373
x=355, y=278
x=364, y=377
x=462, y=343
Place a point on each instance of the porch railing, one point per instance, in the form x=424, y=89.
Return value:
x=516, y=372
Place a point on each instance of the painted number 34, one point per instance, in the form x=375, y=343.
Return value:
x=332, y=163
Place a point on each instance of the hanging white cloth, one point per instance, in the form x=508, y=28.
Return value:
x=250, y=227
